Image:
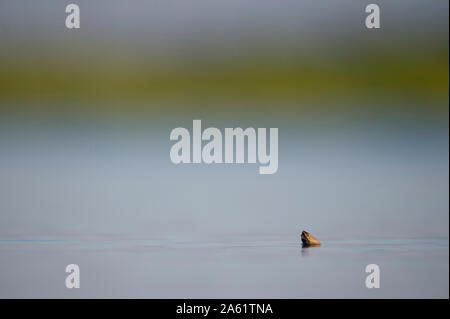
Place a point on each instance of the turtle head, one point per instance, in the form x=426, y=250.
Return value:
x=305, y=236
x=309, y=239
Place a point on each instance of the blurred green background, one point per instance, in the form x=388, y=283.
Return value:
x=241, y=56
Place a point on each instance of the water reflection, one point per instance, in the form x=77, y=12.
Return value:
x=307, y=249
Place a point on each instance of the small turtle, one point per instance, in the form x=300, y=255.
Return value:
x=309, y=240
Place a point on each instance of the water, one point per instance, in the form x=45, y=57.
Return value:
x=250, y=268
x=141, y=227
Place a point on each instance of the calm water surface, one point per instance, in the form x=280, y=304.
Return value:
x=144, y=268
